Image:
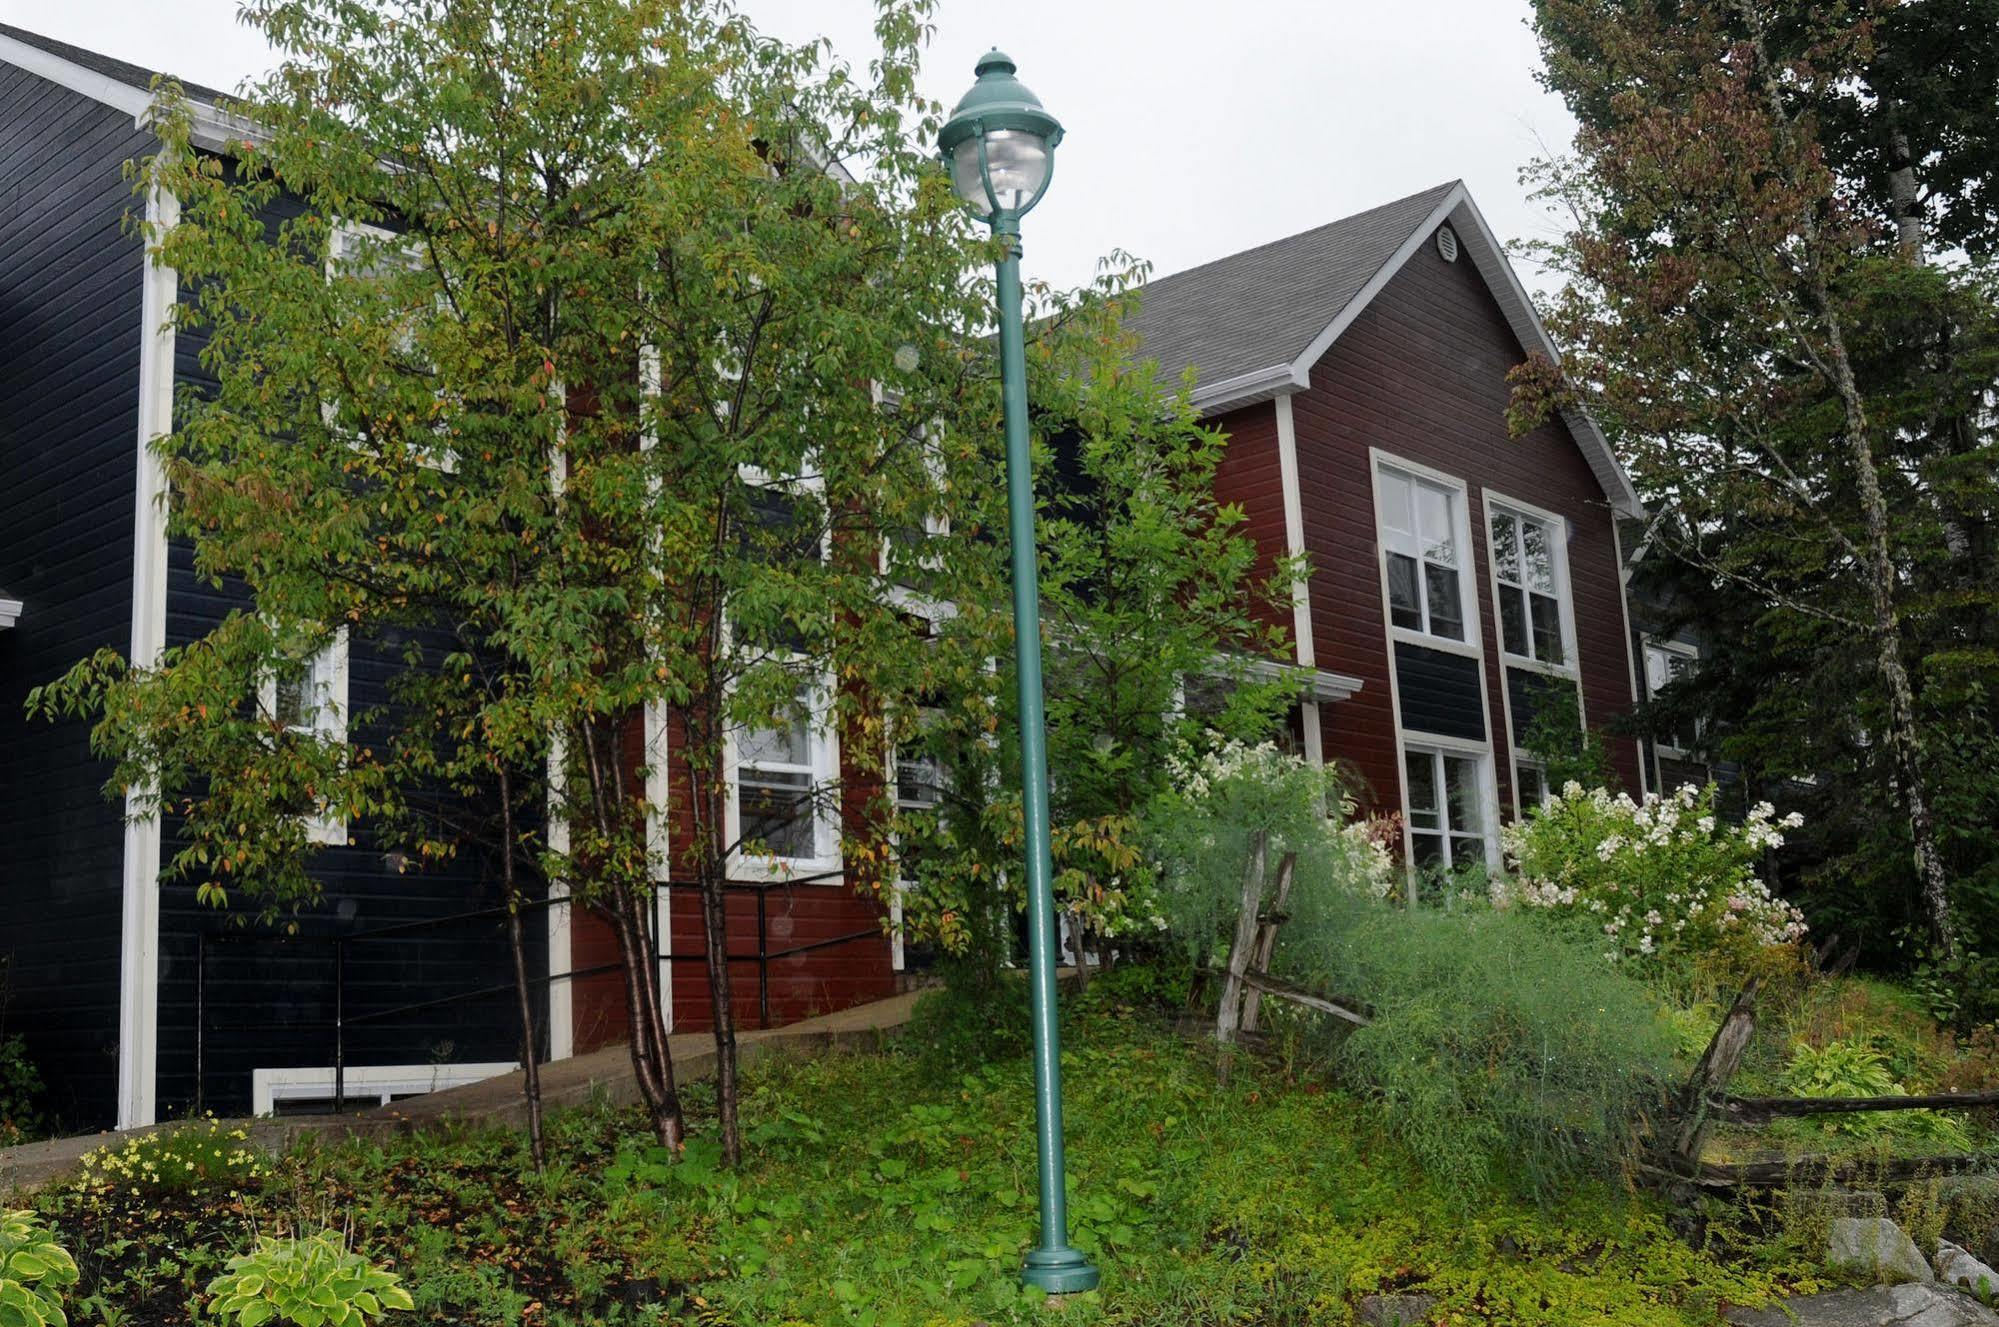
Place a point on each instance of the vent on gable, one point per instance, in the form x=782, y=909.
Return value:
x=1447, y=243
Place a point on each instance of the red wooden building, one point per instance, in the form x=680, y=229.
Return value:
x=1457, y=573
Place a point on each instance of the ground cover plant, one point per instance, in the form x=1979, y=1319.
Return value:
x=898, y=1188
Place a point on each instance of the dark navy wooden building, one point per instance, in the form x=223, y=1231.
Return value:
x=136, y=1003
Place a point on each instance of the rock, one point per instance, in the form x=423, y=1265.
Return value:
x=1876, y=1247
x=1956, y=1267
x=1403, y=1310
x=1915, y=1305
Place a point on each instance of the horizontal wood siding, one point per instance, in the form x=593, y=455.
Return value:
x=1421, y=373
x=266, y=999
x=70, y=279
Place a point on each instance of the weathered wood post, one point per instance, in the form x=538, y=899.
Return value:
x=1266, y=939
x=1701, y=1100
x=1239, y=949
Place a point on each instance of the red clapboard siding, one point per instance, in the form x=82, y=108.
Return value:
x=1421, y=373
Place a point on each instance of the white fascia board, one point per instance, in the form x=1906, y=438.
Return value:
x=10, y=612
x=1249, y=388
x=213, y=127
x=1318, y=683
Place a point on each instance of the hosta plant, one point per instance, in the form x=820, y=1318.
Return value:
x=35, y=1273
x=315, y=1281
x=1657, y=882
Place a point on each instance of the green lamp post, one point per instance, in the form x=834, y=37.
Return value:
x=1000, y=146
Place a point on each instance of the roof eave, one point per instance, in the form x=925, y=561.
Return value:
x=1248, y=388
x=10, y=612
x=213, y=128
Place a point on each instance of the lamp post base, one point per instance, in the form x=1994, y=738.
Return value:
x=1059, y=1271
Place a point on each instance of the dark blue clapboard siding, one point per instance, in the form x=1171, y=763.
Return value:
x=1439, y=692
x=70, y=278
x=267, y=999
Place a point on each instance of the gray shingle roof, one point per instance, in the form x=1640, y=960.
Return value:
x=130, y=74
x=1264, y=306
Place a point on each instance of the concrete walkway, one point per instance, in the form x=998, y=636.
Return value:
x=604, y=1074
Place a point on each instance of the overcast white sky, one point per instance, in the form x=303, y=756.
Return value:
x=1195, y=127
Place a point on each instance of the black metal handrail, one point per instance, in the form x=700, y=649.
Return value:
x=341, y=1021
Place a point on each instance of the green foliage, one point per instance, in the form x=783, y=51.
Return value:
x=204, y=1156
x=314, y=1281
x=1662, y=884
x=1200, y=831
x=1502, y=1052
x=20, y=1092
x=1856, y=1069
x=1568, y=752
x=36, y=1272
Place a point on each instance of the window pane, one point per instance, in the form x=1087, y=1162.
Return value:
x=1537, y=556
x=788, y=742
x=1447, y=616
x=1439, y=531
x=1396, y=509
x=1420, y=769
x=293, y=708
x=1657, y=670
x=1547, y=628
x=917, y=782
x=1533, y=789
x=1461, y=786
x=1405, y=608
x=1505, y=547
x=1428, y=849
x=776, y=812
x=1513, y=618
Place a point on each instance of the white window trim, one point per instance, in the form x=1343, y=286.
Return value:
x=1496, y=502
x=1473, y=645
x=1522, y=761
x=329, y=722
x=382, y=1082
x=1685, y=651
x=1432, y=744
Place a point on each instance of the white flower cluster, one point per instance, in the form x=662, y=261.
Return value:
x=1661, y=873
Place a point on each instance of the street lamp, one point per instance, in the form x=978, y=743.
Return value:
x=1000, y=146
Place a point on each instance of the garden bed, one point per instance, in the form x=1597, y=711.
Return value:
x=898, y=1188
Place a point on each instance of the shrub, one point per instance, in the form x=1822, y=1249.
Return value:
x=1500, y=1049
x=1855, y=1069
x=192, y=1158
x=20, y=1088
x=312, y=1282
x=35, y=1272
x=1201, y=831
x=1656, y=883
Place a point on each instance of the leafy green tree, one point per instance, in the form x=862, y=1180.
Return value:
x=1798, y=388
x=1153, y=609
x=591, y=428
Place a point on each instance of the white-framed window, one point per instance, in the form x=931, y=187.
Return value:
x=778, y=806
x=1423, y=527
x=919, y=790
x=1451, y=805
x=1530, y=784
x=310, y=698
x=371, y=253
x=1667, y=662
x=1530, y=573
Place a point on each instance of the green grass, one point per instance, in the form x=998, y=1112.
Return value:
x=898, y=1188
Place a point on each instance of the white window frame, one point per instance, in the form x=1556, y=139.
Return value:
x=340, y=238
x=1437, y=748
x=1676, y=649
x=329, y=675
x=1559, y=533
x=1540, y=767
x=1386, y=542
x=822, y=767
x=385, y=1083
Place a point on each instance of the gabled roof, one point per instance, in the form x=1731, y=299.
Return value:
x=1254, y=323
x=117, y=83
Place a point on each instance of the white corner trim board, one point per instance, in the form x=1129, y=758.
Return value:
x=139, y=951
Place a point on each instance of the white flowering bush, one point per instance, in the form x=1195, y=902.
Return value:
x=1654, y=881
x=1200, y=834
